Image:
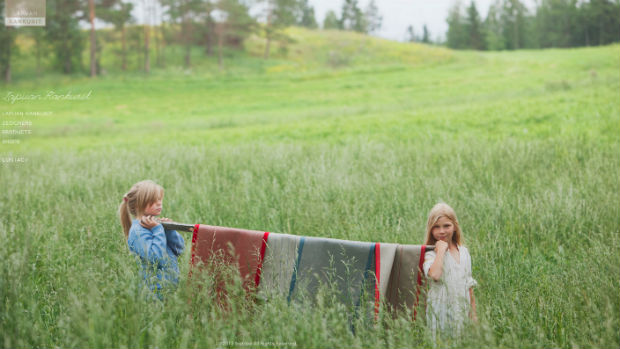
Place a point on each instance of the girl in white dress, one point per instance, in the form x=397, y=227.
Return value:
x=450, y=297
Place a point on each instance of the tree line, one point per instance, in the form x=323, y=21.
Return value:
x=509, y=25
x=212, y=24
x=216, y=25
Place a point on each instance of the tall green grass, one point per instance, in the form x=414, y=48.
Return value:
x=538, y=218
x=524, y=145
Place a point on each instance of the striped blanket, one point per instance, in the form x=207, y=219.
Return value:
x=293, y=266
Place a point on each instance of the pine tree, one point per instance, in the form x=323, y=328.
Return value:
x=235, y=25
x=118, y=13
x=352, y=17
x=514, y=23
x=207, y=30
x=457, y=35
x=186, y=13
x=493, y=31
x=373, y=18
x=426, y=35
x=307, y=18
x=331, y=21
x=473, y=27
x=279, y=14
x=410, y=36
x=601, y=22
x=64, y=35
x=557, y=20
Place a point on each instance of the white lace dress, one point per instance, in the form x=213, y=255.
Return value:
x=448, y=302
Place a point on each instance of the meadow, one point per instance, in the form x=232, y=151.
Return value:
x=342, y=136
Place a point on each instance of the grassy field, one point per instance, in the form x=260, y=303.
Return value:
x=340, y=136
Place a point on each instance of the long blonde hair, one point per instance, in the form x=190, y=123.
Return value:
x=438, y=211
x=137, y=199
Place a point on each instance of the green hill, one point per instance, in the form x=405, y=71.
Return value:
x=302, y=50
x=311, y=49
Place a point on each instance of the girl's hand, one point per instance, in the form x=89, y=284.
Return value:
x=441, y=246
x=164, y=219
x=148, y=222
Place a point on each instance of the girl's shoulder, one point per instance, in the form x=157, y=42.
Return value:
x=464, y=252
x=135, y=228
x=429, y=254
x=134, y=224
x=464, y=249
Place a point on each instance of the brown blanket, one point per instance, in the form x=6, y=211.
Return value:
x=240, y=247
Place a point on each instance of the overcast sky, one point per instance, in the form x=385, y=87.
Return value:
x=399, y=14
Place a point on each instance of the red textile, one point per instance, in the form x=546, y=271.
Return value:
x=194, y=238
x=244, y=248
x=377, y=278
x=419, y=284
x=263, y=247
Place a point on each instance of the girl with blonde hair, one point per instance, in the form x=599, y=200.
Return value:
x=156, y=247
x=450, y=296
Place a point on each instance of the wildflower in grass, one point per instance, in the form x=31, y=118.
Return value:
x=156, y=247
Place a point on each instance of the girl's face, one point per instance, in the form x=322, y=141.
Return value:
x=443, y=230
x=154, y=209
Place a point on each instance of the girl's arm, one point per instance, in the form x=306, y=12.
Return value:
x=436, y=268
x=174, y=239
x=471, y=283
x=175, y=242
x=150, y=244
x=473, y=314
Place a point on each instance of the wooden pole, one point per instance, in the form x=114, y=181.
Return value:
x=190, y=228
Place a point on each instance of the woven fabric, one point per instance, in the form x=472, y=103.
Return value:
x=278, y=265
x=239, y=247
x=293, y=266
x=388, y=252
x=403, y=290
x=346, y=267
